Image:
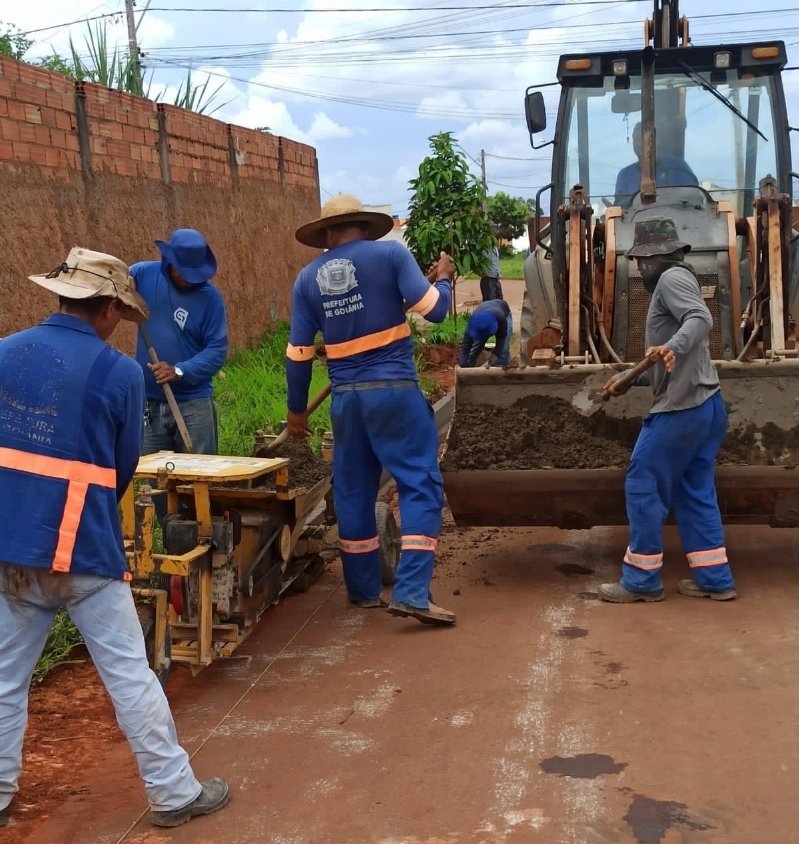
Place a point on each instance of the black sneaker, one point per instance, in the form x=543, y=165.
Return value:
x=4, y=817
x=212, y=798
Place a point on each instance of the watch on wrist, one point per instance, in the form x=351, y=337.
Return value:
x=178, y=371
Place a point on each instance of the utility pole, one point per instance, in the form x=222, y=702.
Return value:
x=133, y=48
x=485, y=183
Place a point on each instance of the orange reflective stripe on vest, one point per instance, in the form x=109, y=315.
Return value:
x=367, y=342
x=78, y=476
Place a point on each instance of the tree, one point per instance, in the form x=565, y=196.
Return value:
x=13, y=43
x=509, y=214
x=447, y=210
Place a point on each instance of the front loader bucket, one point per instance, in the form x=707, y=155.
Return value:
x=518, y=453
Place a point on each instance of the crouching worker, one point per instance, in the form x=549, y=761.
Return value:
x=71, y=414
x=489, y=319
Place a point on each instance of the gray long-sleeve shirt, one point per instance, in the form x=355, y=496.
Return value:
x=679, y=318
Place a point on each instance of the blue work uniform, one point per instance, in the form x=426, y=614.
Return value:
x=670, y=171
x=672, y=468
x=472, y=345
x=356, y=295
x=188, y=328
x=70, y=437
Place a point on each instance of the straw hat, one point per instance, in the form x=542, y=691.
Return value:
x=343, y=209
x=86, y=274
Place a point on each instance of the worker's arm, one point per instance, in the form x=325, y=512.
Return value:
x=300, y=351
x=202, y=367
x=431, y=301
x=680, y=293
x=130, y=433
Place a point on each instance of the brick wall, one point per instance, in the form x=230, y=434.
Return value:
x=88, y=166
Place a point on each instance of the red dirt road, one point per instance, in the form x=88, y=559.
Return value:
x=544, y=716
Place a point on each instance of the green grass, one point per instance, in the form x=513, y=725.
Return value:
x=62, y=639
x=513, y=266
x=510, y=267
x=251, y=395
x=447, y=333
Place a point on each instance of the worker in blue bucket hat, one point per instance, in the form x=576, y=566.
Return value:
x=188, y=331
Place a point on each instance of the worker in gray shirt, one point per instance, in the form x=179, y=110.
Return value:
x=673, y=464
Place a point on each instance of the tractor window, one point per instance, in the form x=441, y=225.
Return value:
x=700, y=139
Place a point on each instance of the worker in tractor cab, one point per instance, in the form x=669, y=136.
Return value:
x=672, y=466
x=670, y=171
x=489, y=319
x=70, y=436
x=356, y=294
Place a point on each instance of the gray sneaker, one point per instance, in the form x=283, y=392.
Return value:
x=615, y=593
x=689, y=588
x=212, y=798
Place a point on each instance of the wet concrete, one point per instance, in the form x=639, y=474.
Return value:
x=343, y=726
x=585, y=765
x=650, y=820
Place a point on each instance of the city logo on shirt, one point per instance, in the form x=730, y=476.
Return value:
x=181, y=315
x=336, y=277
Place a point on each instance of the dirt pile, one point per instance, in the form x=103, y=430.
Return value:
x=538, y=432
x=305, y=469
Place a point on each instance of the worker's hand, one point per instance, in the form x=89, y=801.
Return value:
x=664, y=354
x=163, y=372
x=432, y=272
x=613, y=388
x=446, y=267
x=297, y=424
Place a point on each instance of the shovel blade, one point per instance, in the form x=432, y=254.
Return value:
x=587, y=401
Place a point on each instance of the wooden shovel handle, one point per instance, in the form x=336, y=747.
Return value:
x=283, y=435
x=170, y=396
x=629, y=375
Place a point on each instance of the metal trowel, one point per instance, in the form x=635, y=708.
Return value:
x=591, y=397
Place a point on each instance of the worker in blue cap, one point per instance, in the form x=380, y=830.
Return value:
x=489, y=319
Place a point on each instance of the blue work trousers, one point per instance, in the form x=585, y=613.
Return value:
x=672, y=469
x=386, y=424
x=104, y=613
x=161, y=430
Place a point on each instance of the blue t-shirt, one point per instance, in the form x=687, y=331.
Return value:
x=670, y=172
x=187, y=328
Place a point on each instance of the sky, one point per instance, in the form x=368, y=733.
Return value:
x=368, y=88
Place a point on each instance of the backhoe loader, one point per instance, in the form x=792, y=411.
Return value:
x=710, y=132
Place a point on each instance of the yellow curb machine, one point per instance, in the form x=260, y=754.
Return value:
x=237, y=535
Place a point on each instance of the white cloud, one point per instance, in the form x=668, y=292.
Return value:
x=324, y=128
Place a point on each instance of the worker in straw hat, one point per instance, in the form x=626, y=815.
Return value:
x=672, y=466
x=70, y=432
x=356, y=294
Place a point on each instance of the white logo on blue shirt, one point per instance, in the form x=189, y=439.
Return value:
x=181, y=315
x=336, y=277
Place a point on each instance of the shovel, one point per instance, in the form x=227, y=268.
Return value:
x=268, y=448
x=170, y=396
x=590, y=399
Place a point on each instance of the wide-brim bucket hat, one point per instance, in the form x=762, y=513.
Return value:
x=656, y=236
x=86, y=274
x=343, y=209
x=188, y=252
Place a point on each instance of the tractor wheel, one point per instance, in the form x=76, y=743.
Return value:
x=390, y=541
